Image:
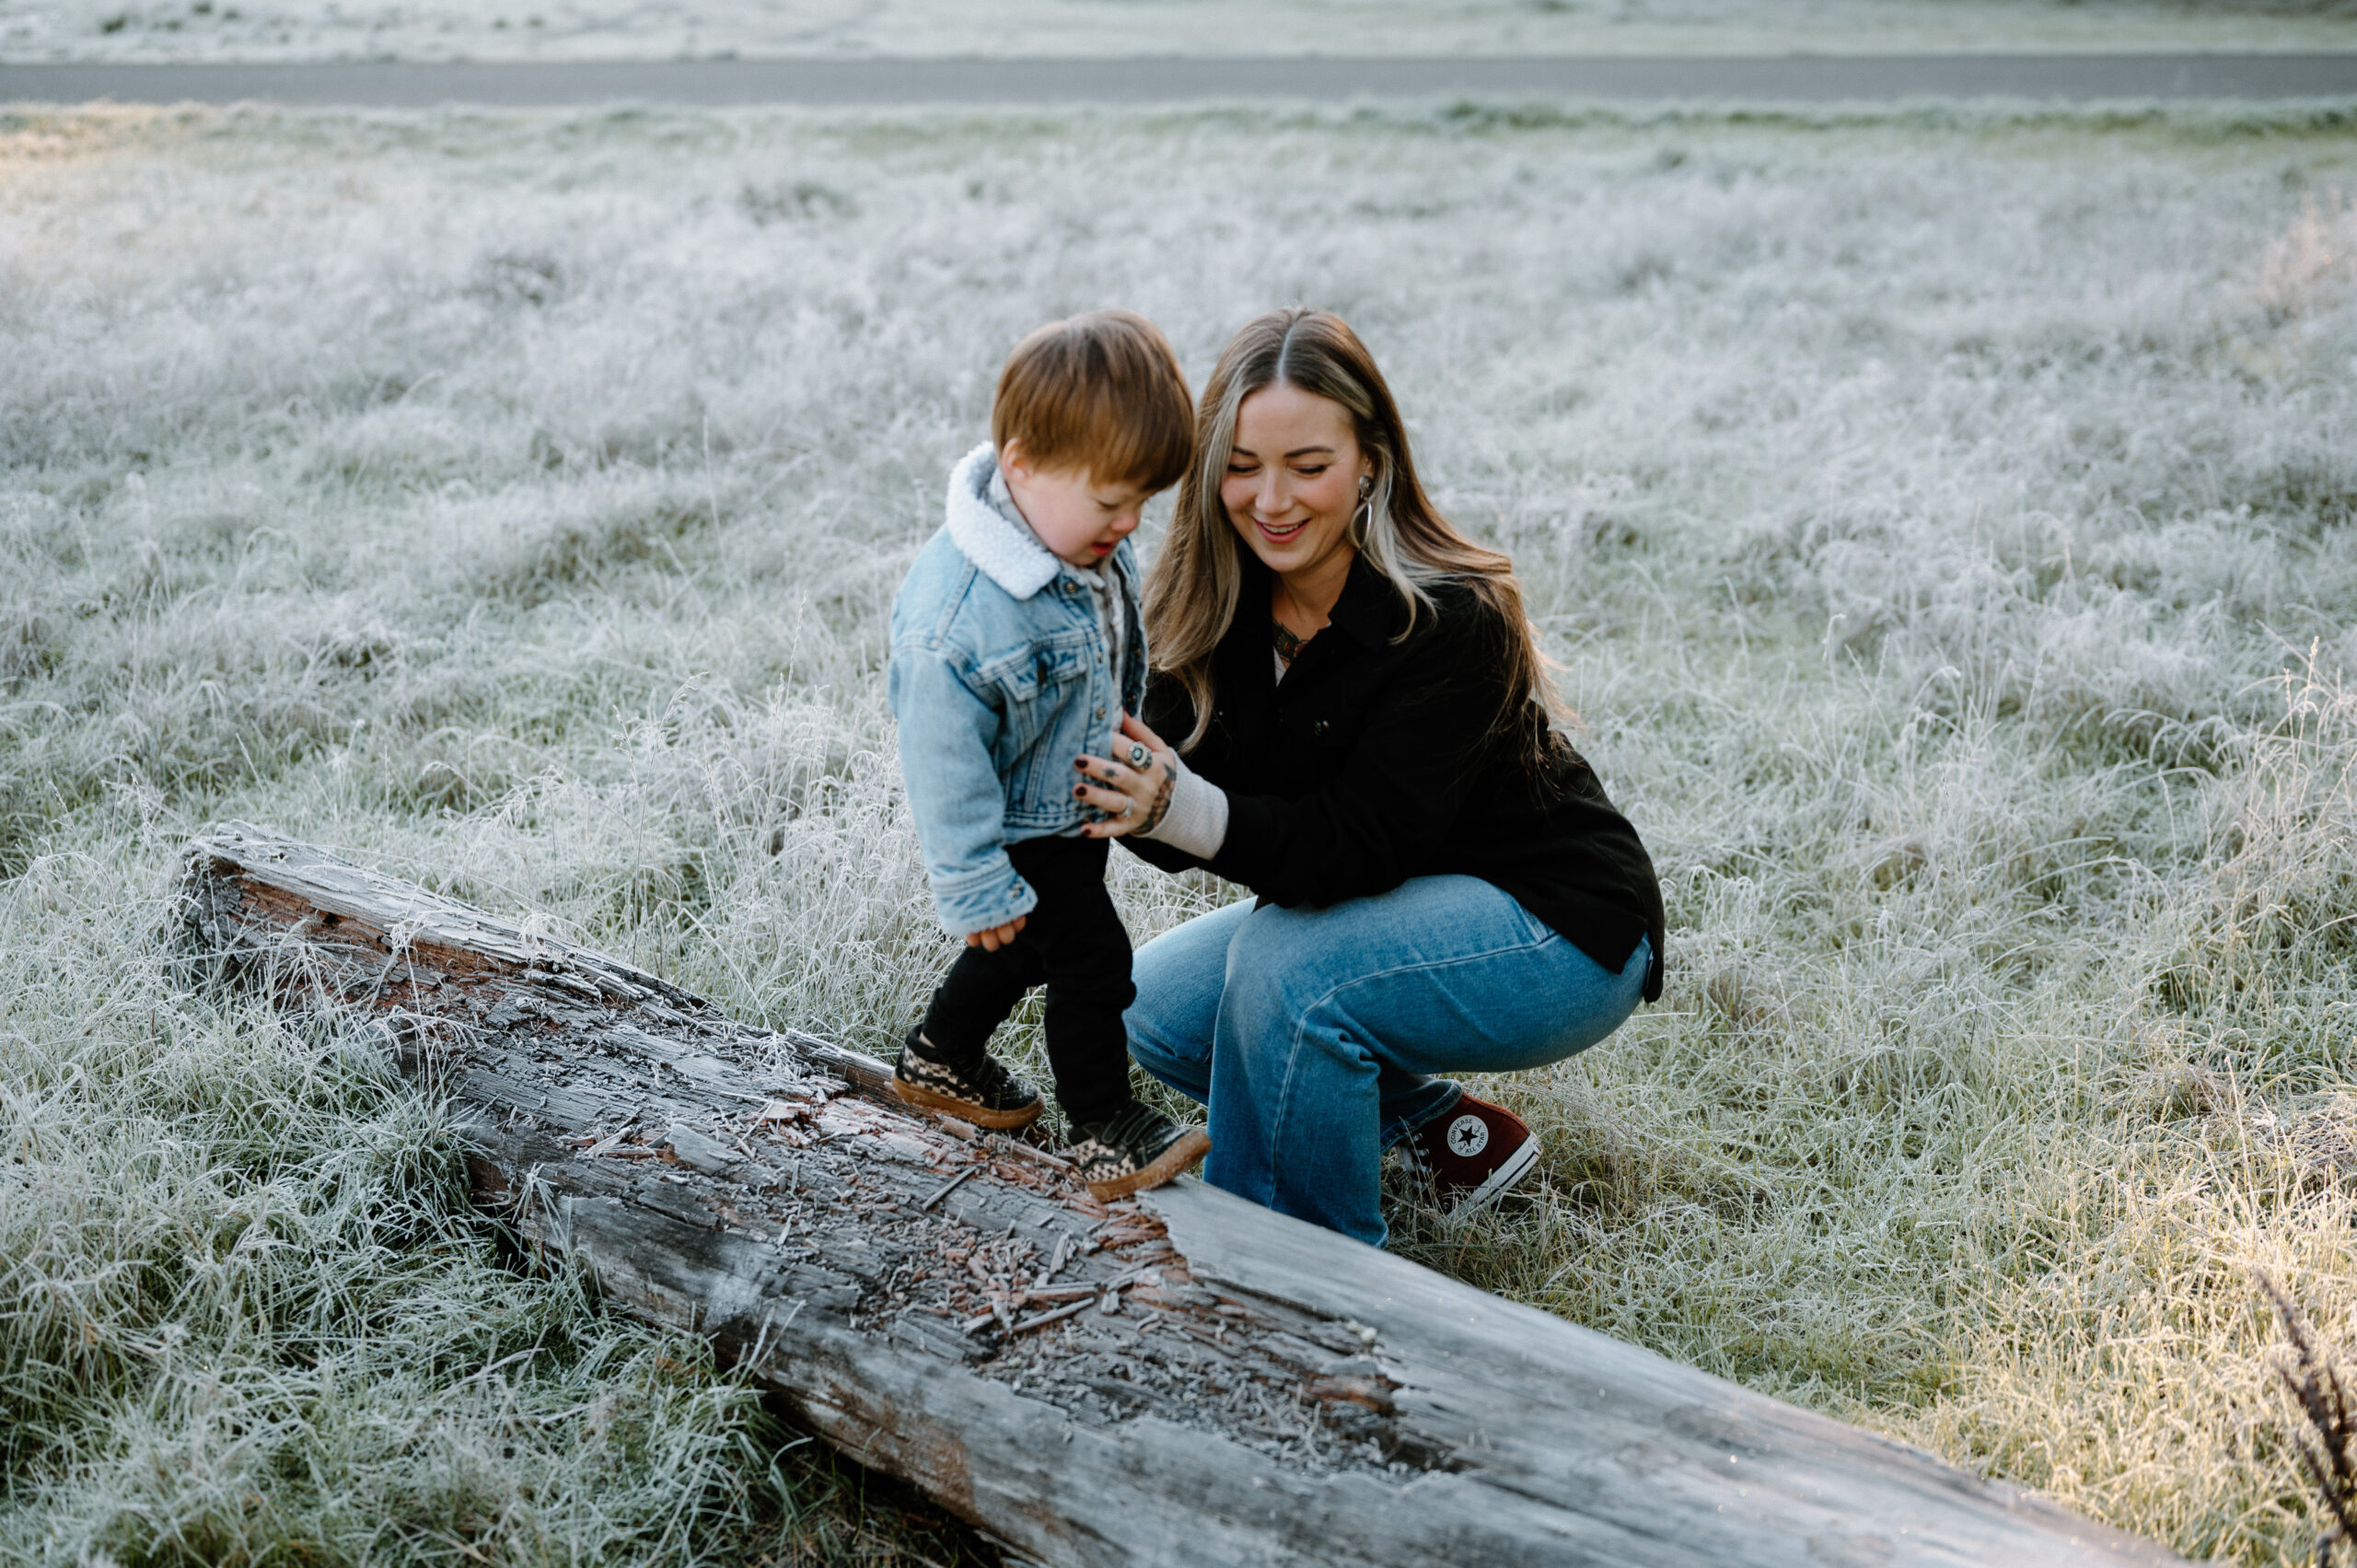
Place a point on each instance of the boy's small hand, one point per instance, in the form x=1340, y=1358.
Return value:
x=997, y=937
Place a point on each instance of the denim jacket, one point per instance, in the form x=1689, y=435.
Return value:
x=999, y=678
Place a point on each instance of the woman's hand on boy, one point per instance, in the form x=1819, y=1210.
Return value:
x=997, y=937
x=1133, y=790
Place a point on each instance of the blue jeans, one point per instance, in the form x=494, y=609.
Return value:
x=1310, y=1033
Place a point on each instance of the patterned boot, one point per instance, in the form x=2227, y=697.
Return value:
x=1135, y=1149
x=981, y=1091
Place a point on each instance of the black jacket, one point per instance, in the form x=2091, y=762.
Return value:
x=1373, y=761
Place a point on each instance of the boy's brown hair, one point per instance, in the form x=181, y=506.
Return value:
x=1099, y=393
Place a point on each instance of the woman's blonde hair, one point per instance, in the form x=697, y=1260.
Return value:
x=1191, y=593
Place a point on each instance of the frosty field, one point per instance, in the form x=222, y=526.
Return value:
x=1945, y=523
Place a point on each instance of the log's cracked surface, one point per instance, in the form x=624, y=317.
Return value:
x=1179, y=1378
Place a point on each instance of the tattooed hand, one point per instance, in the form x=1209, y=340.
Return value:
x=1161, y=807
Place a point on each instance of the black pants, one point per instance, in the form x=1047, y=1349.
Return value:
x=1074, y=945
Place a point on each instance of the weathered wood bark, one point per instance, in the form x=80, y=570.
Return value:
x=1178, y=1379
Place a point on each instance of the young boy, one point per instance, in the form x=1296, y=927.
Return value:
x=1017, y=646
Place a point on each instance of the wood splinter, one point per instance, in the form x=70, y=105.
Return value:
x=949, y=1186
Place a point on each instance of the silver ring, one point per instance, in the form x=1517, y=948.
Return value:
x=1139, y=755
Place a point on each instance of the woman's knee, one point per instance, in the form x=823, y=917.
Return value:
x=1178, y=1059
x=1159, y=1029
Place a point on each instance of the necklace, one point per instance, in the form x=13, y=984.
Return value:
x=1288, y=645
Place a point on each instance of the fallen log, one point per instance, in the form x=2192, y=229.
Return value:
x=1178, y=1378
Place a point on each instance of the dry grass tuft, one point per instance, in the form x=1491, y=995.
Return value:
x=2327, y=1449
x=2305, y=266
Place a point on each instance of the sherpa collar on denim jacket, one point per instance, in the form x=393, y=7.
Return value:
x=988, y=530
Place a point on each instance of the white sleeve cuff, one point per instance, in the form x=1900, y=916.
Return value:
x=1197, y=821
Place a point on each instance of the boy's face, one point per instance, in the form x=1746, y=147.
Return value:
x=1078, y=518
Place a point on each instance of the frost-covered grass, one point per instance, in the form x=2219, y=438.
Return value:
x=1945, y=524
x=662, y=30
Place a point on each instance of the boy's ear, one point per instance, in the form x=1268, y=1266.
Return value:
x=1013, y=463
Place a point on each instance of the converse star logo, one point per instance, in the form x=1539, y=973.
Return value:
x=1467, y=1136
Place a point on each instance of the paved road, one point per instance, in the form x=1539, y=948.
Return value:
x=708, y=82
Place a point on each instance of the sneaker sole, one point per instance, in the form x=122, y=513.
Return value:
x=1184, y=1151
x=1502, y=1180
x=967, y=1111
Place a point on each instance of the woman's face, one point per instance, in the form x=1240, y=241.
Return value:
x=1293, y=481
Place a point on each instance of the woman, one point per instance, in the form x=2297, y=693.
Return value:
x=1363, y=715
